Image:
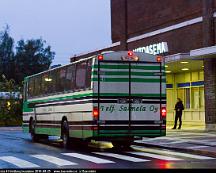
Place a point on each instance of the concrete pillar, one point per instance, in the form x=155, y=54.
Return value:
x=209, y=66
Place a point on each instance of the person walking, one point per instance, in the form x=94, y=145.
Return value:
x=178, y=113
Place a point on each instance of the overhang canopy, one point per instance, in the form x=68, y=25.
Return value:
x=202, y=53
x=182, y=62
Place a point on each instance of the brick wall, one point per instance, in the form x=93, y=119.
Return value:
x=179, y=41
x=149, y=15
x=210, y=90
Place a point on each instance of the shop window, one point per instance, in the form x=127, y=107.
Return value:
x=198, y=97
x=187, y=98
x=202, y=97
x=184, y=95
x=195, y=97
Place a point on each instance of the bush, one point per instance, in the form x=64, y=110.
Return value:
x=10, y=112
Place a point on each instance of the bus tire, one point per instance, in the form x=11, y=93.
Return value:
x=34, y=136
x=65, y=134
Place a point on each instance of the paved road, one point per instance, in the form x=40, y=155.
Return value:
x=17, y=151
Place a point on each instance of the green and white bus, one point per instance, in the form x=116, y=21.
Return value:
x=114, y=96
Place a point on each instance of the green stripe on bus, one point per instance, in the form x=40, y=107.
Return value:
x=63, y=98
x=49, y=131
x=26, y=108
x=101, y=94
x=122, y=73
x=25, y=129
x=127, y=66
x=127, y=80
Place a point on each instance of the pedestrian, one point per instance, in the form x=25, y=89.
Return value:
x=178, y=113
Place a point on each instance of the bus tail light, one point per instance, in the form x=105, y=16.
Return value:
x=100, y=57
x=130, y=53
x=159, y=58
x=95, y=113
x=163, y=111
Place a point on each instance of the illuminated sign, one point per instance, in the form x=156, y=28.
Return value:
x=153, y=49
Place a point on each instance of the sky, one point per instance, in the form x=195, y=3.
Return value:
x=69, y=26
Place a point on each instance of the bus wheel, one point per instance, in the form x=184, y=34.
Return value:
x=65, y=134
x=34, y=136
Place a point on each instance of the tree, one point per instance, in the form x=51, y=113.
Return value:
x=6, y=54
x=31, y=57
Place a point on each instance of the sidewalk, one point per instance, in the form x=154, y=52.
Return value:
x=189, y=139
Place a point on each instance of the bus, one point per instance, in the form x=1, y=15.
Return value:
x=114, y=96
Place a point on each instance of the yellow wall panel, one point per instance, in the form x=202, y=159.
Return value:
x=201, y=75
x=187, y=77
x=195, y=76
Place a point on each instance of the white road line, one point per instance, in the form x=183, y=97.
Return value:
x=174, y=142
x=120, y=156
x=156, y=156
x=88, y=158
x=18, y=162
x=193, y=156
x=199, y=146
x=54, y=160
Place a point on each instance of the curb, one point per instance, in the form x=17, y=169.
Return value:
x=208, y=153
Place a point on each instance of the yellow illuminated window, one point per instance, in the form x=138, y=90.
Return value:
x=195, y=97
x=202, y=97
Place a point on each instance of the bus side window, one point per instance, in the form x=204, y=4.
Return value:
x=37, y=89
x=62, y=79
x=52, y=81
x=31, y=88
x=70, y=77
x=45, y=80
x=88, y=73
x=25, y=91
x=81, y=75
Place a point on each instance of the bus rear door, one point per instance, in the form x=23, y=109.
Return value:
x=113, y=97
x=129, y=98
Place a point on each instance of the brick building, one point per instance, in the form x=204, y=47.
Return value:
x=187, y=27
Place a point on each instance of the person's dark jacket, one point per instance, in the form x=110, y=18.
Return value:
x=179, y=107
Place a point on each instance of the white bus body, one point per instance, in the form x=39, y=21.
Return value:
x=114, y=96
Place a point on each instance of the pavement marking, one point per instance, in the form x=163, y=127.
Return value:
x=156, y=156
x=200, y=146
x=174, y=153
x=174, y=142
x=120, y=156
x=55, y=160
x=88, y=158
x=18, y=162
